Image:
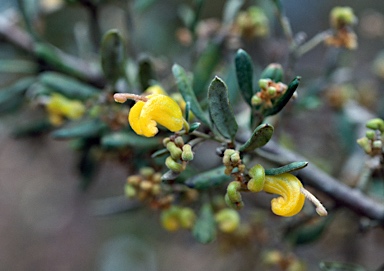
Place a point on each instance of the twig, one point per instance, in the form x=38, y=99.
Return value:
x=61, y=61
x=342, y=194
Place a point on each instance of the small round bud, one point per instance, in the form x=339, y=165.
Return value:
x=179, y=141
x=156, y=178
x=365, y=144
x=169, y=219
x=134, y=180
x=264, y=83
x=228, y=220
x=235, y=157
x=156, y=188
x=165, y=141
x=187, y=218
x=146, y=185
x=174, y=150
x=129, y=191
x=376, y=124
x=377, y=144
x=370, y=134
x=256, y=100
x=147, y=172
x=256, y=183
x=272, y=91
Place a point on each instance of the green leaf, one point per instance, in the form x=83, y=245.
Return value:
x=287, y=168
x=113, y=55
x=204, y=230
x=11, y=97
x=68, y=86
x=31, y=129
x=220, y=110
x=260, y=136
x=187, y=92
x=117, y=140
x=204, y=68
x=274, y=72
x=231, y=9
x=146, y=73
x=244, y=73
x=88, y=128
x=338, y=266
x=283, y=100
x=208, y=179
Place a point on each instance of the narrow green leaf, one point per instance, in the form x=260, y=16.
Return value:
x=208, y=179
x=118, y=140
x=260, y=136
x=231, y=9
x=194, y=126
x=204, y=67
x=339, y=266
x=287, y=168
x=68, y=86
x=244, y=73
x=89, y=128
x=186, y=91
x=220, y=110
x=113, y=55
x=32, y=129
x=11, y=97
x=160, y=152
x=205, y=227
x=146, y=73
x=283, y=100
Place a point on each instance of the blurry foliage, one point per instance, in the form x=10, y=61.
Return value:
x=226, y=97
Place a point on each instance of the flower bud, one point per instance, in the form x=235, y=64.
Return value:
x=365, y=144
x=376, y=124
x=264, y=83
x=187, y=218
x=179, y=141
x=228, y=220
x=129, y=191
x=370, y=134
x=187, y=154
x=174, y=150
x=342, y=16
x=134, y=180
x=146, y=172
x=173, y=165
x=233, y=195
x=146, y=185
x=256, y=183
x=256, y=100
x=169, y=219
x=235, y=157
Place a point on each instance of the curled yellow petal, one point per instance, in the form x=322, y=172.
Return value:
x=291, y=200
x=158, y=109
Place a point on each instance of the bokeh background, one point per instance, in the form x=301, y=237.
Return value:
x=47, y=223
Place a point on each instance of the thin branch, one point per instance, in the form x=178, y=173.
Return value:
x=55, y=58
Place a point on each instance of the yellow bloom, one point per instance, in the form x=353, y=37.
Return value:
x=60, y=107
x=291, y=200
x=157, y=108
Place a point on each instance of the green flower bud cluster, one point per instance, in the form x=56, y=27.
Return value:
x=252, y=23
x=146, y=186
x=232, y=160
x=341, y=17
x=177, y=217
x=269, y=92
x=372, y=142
x=180, y=153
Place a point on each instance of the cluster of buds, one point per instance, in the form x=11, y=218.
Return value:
x=177, y=217
x=232, y=160
x=372, y=143
x=180, y=153
x=146, y=186
x=252, y=23
x=269, y=91
x=342, y=19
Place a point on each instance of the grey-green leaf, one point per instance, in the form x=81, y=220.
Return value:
x=260, y=136
x=340, y=266
x=146, y=73
x=113, y=55
x=244, y=73
x=220, y=110
x=205, y=227
x=81, y=129
x=122, y=139
x=208, y=179
x=287, y=168
x=68, y=86
x=186, y=91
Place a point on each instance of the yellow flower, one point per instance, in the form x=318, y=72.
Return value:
x=152, y=110
x=291, y=199
x=60, y=107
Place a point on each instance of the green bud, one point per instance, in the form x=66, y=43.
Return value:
x=233, y=205
x=129, y=191
x=228, y=220
x=147, y=172
x=173, y=165
x=187, y=154
x=263, y=83
x=272, y=91
x=233, y=193
x=166, y=141
x=169, y=219
x=187, y=218
x=273, y=71
x=235, y=157
x=365, y=144
x=342, y=16
x=256, y=183
x=370, y=134
x=174, y=150
x=375, y=124
x=179, y=141
x=256, y=100
x=377, y=144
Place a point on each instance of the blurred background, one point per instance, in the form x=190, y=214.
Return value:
x=47, y=223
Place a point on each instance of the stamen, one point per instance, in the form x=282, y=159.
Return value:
x=123, y=97
x=320, y=209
